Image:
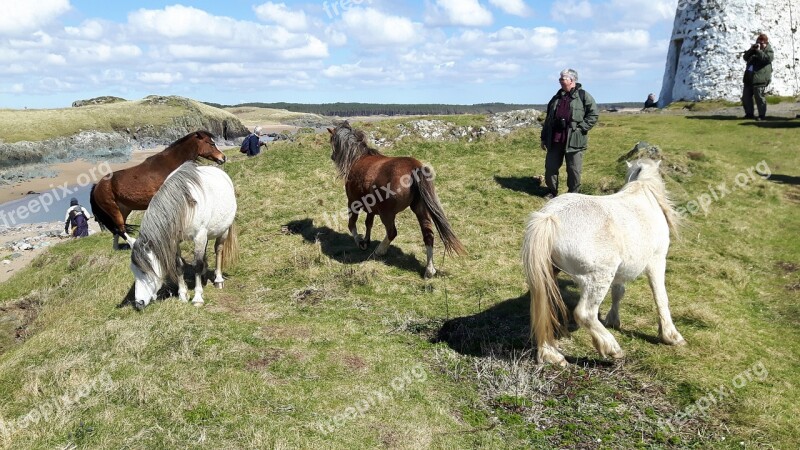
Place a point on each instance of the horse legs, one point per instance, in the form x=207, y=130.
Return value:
x=593, y=290
x=391, y=233
x=219, y=281
x=612, y=318
x=183, y=290
x=426, y=226
x=124, y=213
x=200, y=243
x=666, y=329
x=351, y=225
x=368, y=234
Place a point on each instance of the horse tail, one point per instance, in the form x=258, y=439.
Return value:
x=537, y=250
x=431, y=201
x=100, y=215
x=230, y=249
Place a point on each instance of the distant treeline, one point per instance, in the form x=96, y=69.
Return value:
x=373, y=109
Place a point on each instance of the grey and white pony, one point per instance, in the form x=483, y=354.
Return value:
x=195, y=203
x=601, y=242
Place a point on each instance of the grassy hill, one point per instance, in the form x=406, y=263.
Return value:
x=152, y=113
x=315, y=344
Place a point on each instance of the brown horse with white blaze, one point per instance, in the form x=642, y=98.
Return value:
x=126, y=190
x=384, y=186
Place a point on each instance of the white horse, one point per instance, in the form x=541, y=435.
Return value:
x=197, y=203
x=601, y=242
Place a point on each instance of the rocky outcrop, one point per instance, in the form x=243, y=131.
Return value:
x=704, y=59
x=187, y=116
x=97, y=101
x=440, y=130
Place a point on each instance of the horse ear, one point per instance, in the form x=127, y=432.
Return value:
x=629, y=164
x=330, y=130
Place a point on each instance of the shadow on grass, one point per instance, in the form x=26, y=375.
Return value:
x=170, y=289
x=526, y=185
x=503, y=328
x=166, y=291
x=784, y=179
x=719, y=117
x=340, y=246
x=774, y=122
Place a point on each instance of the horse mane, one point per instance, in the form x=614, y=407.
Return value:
x=348, y=147
x=200, y=133
x=650, y=181
x=167, y=216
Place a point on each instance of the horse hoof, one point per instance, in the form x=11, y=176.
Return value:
x=219, y=284
x=197, y=304
x=363, y=245
x=430, y=273
x=138, y=305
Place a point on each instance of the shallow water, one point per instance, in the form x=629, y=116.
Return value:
x=47, y=206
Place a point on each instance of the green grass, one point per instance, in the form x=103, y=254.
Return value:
x=145, y=113
x=701, y=106
x=309, y=330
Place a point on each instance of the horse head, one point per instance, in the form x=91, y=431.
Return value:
x=642, y=170
x=347, y=146
x=206, y=148
x=147, y=273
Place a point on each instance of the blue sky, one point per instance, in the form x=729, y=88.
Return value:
x=380, y=51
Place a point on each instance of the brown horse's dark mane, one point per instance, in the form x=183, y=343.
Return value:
x=348, y=147
x=200, y=133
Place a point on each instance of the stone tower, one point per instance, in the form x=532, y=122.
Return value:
x=708, y=38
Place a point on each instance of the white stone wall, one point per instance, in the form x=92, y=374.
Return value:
x=704, y=60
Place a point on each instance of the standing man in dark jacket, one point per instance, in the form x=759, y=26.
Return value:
x=757, y=76
x=571, y=113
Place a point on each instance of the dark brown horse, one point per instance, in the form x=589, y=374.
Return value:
x=119, y=193
x=384, y=185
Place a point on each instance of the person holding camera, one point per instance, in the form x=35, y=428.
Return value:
x=571, y=113
x=757, y=76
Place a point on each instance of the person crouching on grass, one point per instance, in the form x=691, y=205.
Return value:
x=78, y=217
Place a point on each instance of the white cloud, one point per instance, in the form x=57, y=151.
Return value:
x=23, y=16
x=158, y=77
x=374, y=28
x=508, y=41
x=181, y=21
x=280, y=14
x=90, y=30
x=621, y=40
x=515, y=7
x=313, y=49
x=95, y=53
x=468, y=13
x=570, y=10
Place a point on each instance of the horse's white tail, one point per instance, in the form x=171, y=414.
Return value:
x=230, y=248
x=537, y=249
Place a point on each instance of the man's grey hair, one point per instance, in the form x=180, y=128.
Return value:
x=570, y=73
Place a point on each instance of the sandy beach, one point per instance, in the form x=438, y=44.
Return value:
x=67, y=173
